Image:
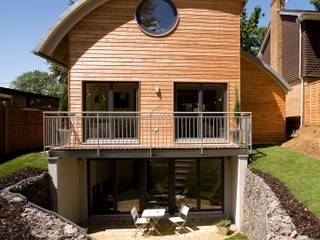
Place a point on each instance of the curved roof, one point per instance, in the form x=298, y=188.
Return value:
x=259, y=62
x=53, y=45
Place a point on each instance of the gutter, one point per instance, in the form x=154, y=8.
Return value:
x=301, y=78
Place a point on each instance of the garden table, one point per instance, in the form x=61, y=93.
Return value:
x=154, y=216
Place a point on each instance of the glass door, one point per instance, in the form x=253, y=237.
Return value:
x=208, y=100
x=157, y=184
x=113, y=107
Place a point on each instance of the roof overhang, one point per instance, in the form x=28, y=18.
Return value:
x=272, y=73
x=53, y=46
x=302, y=16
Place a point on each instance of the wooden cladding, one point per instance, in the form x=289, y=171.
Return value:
x=261, y=95
x=312, y=102
x=108, y=45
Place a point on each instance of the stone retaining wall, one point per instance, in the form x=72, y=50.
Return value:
x=35, y=189
x=44, y=224
x=263, y=216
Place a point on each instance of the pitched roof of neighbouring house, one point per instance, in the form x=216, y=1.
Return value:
x=302, y=15
x=53, y=45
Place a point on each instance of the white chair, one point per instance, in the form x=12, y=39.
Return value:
x=181, y=220
x=139, y=222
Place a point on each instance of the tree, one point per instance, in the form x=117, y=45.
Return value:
x=251, y=34
x=316, y=4
x=60, y=74
x=37, y=82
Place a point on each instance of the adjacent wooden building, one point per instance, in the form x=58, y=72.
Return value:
x=21, y=120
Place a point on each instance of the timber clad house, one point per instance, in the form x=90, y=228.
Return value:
x=294, y=36
x=162, y=102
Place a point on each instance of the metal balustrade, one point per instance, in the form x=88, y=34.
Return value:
x=140, y=130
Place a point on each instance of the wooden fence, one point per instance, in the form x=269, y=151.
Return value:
x=21, y=129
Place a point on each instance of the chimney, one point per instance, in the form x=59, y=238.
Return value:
x=276, y=35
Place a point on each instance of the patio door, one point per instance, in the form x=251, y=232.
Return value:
x=115, y=186
x=209, y=102
x=110, y=111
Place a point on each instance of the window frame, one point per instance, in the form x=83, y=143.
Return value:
x=162, y=34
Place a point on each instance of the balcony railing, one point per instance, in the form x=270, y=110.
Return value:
x=140, y=130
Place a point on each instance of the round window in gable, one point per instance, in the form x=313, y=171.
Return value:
x=157, y=17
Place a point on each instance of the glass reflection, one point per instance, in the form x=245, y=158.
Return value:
x=157, y=17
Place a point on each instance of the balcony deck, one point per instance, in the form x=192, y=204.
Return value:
x=102, y=131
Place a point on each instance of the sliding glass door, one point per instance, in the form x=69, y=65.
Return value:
x=102, y=100
x=208, y=101
x=116, y=186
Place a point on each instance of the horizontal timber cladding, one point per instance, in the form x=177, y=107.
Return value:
x=312, y=101
x=107, y=45
x=261, y=95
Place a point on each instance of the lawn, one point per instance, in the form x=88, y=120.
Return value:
x=300, y=173
x=237, y=237
x=33, y=160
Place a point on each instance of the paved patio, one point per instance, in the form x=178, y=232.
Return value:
x=116, y=230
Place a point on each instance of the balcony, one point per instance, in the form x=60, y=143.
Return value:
x=141, y=130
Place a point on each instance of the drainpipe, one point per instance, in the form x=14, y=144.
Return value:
x=301, y=78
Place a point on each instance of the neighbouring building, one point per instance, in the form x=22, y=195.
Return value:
x=292, y=48
x=162, y=102
x=21, y=125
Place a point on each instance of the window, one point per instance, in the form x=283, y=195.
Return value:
x=157, y=17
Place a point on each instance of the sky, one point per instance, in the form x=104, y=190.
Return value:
x=23, y=23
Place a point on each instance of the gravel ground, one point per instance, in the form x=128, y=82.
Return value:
x=305, y=221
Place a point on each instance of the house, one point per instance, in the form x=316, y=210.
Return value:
x=21, y=119
x=292, y=48
x=155, y=90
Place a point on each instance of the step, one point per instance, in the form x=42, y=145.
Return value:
x=181, y=171
x=183, y=165
x=181, y=177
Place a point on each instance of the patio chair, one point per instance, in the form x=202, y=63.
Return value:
x=139, y=222
x=180, y=198
x=181, y=220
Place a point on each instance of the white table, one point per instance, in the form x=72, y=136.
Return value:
x=154, y=216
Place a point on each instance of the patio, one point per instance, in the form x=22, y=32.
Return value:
x=124, y=229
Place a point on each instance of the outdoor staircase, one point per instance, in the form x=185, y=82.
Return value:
x=182, y=169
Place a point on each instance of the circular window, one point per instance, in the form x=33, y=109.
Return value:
x=157, y=17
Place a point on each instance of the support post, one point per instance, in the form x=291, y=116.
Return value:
x=241, y=179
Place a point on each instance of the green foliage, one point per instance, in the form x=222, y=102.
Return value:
x=316, y=4
x=237, y=101
x=225, y=223
x=53, y=83
x=37, y=82
x=60, y=74
x=298, y=172
x=33, y=160
x=251, y=34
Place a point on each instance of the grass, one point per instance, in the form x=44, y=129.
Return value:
x=33, y=160
x=237, y=237
x=298, y=172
